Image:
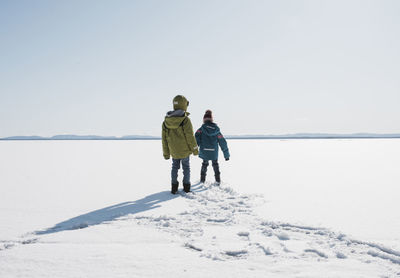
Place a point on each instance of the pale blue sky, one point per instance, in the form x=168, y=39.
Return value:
x=263, y=67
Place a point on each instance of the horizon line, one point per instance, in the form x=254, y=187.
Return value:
x=359, y=135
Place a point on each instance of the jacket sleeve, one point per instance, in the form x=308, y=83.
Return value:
x=190, y=140
x=223, y=144
x=198, y=137
x=165, y=147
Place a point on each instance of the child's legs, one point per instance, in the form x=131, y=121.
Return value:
x=204, y=166
x=176, y=165
x=186, y=170
x=215, y=165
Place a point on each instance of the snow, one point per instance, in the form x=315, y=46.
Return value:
x=286, y=208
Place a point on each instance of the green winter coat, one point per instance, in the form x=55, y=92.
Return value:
x=177, y=135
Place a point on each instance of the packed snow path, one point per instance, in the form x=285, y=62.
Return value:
x=221, y=225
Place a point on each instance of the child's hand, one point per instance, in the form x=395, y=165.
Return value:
x=166, y=157
x=226, y=158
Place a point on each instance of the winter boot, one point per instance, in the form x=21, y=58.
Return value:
x=174, y=187
x=186, y=187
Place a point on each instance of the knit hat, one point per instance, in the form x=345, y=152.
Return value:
x=180, y=102
x=208, y=116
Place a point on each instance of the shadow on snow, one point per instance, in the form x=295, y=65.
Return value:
x=110, y=213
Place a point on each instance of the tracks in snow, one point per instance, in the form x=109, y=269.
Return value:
x=221, y=225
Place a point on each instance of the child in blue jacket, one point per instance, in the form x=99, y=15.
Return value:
x=208, y=136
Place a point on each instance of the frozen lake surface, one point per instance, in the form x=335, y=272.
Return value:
x=286, y=208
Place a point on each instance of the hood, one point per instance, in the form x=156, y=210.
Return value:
x=210, y=129
x=174, y=119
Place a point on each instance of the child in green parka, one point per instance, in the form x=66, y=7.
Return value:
x=178, y=141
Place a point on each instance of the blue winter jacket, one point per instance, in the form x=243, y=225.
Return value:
x=208, y=136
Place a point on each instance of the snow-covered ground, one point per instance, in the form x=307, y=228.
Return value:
x=286, y=208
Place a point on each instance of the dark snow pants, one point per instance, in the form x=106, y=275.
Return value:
x=215, y=165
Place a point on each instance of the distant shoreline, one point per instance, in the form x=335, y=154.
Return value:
x=277, y=137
